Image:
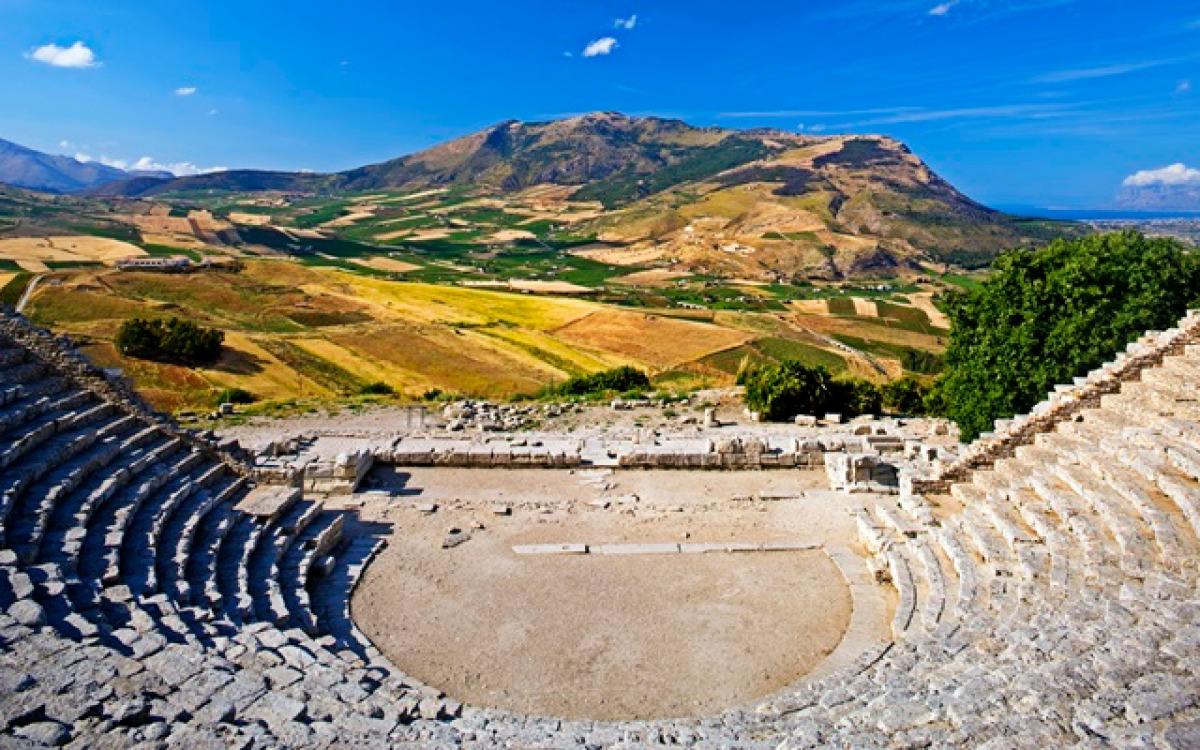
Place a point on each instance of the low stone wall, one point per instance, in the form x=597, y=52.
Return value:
x=484, y=456
x=1064, y=404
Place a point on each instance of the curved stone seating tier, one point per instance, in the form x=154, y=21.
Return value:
x=151, y=595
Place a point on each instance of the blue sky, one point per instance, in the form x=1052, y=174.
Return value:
x=1042, y=102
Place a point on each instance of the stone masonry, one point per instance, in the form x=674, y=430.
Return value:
x=1048, y=589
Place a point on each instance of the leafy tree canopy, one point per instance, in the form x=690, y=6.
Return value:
x=782, y=391
x=172, y=340
x=1046, y=316
x=619, y=379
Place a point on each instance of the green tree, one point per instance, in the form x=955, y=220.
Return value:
x=619, y=380
x=1046, y=316
x=782, y=391
x=172, y=340
x=905, y=396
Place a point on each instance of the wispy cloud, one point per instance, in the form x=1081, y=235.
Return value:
x=864, y=118
x=78, y=55
x=150, y=164
x=943, y=9
x=1183, y=87
x=1172, y=176
x=602, y=46
x=790, y=113
x=186, y=91
x=1103, y=71
x=626, y=23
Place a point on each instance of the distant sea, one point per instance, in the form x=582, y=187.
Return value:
x=1085, y=214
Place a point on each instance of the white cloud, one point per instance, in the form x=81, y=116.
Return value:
x=76, y=56
x=1106, y=71
x=186, y=91
x=1183, y=87
x=150, y=164
x=1174, y=175
x=626, y=23
x=602, y=46
x=212, y=113
x=943, y=9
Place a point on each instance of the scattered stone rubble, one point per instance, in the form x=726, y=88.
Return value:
x=152, y=596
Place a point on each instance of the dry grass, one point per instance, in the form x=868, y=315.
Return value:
x=832, y=325
x=391, y=265
x=924, y=301
x=621, y=256
x=655, y=277
x=251, y=220
x=865, y=308
x=74, y=249
x=453, y=362
x=548, y=287
x=246, y=364
x=462, y=306
x=812, y=306
x=661, y=343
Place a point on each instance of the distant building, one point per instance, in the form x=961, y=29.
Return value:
x=174, y=263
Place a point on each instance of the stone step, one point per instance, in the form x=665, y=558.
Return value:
x=233, y=567
x=30, y=402
x=51, y=449
x=203, y=564
x=269, y=605
x=303, y=563
x=115, y=522
x=10, y=357
x=185, y=527
x=34, y=508
x=77, y=512
x=99, y=547
x=51, y=429
x=144, y=538
x=331, y=595
x=1112, y=514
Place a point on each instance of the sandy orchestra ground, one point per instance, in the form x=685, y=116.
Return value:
x=602, y=636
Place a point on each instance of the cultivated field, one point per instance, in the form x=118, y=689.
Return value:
x=67, y=249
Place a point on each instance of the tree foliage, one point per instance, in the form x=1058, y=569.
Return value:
x=905, y=396
x=619, y=380
x=172, y=340
x=782, y=391
x=1046, y=316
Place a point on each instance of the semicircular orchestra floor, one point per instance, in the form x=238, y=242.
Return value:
x=608, y=636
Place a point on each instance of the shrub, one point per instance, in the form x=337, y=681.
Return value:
x=780, y=392
x=1046, y=316
x=378, y=388
x=905, y=396
x=172, y=340
x=234, y=396
x=619, y=380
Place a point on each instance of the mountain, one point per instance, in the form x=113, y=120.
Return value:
x=236, y=181
x=576, y=151
x=26, y=168
x=767, y=203
x=1161, y=197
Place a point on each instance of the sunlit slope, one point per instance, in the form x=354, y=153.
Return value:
x=296, y=332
